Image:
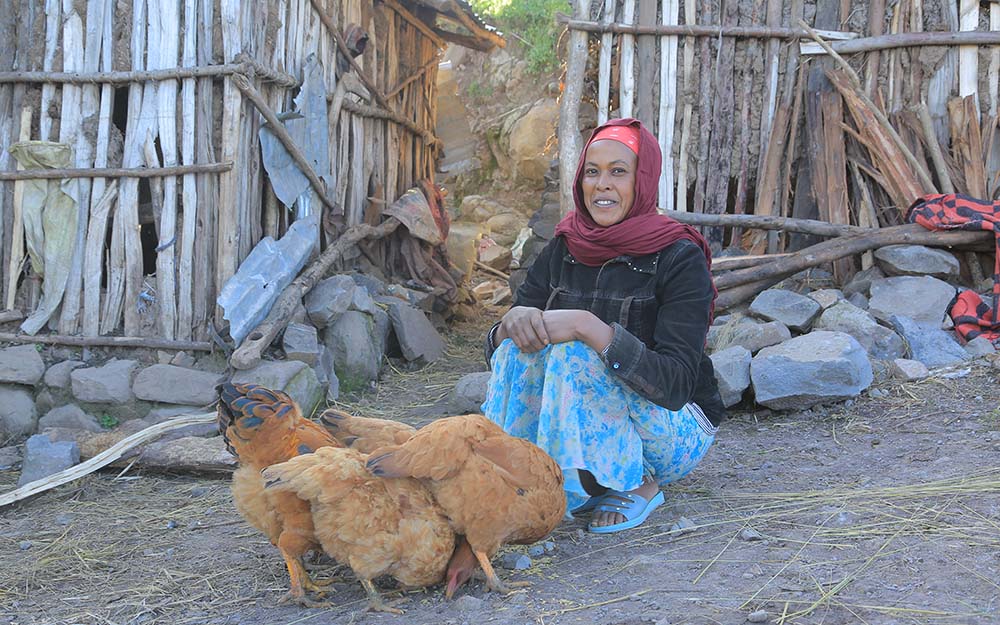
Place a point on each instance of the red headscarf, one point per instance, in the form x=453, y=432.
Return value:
x=644, y=230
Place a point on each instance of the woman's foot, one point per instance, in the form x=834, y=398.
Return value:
x=603, y=518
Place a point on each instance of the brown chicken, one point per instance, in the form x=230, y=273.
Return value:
x=375, y=526
x=494, y=488
x=262, y=428
x=365, y=434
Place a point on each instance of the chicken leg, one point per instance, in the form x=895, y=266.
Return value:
x=492, y=580
x=300, y=582
x=375, y=601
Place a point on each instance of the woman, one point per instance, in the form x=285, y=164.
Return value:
x=601, y=359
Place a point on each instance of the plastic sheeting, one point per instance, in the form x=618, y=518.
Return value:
x=270, y=267
x=50, y=219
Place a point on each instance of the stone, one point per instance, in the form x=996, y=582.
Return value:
x=293, y=377
x=880, y=342
x=732, y=372
x=748, y=333
x=811, y=369
x=44, y=401
x=861, y=281
x=908, y=370
x=108, y=384
x=57, y=375
x=504, y=228
x=383, y=330
x=329, y=299
x=42, y=458
x=980, y=346
x=301, y=342
x=190, y=453
x=515, y=561
x=418, y=339
x=826, y=297
x=424, y=300
x=928, y=343
x=326, y=373
x=917, y=260
x=371, y=284
x=859, y=300
x=183, y=359
x=18, y=415
x=363, y=302
x=921, y=298
x=176, y=385
x=355, y=350
x=495, y=256
x=462, y=244
x=530, y=148
x=159, y=415
x=21, y=364
x=10, y=457
x=480, y=208
x=470, y=392
x=69, y=416
x=795, y=311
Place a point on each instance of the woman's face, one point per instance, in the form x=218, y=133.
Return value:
x=608, y=181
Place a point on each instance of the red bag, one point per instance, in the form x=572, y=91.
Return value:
x=955, y=211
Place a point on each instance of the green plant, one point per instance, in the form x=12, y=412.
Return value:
x=107, y=421
x=530, y=22
x=477, y=89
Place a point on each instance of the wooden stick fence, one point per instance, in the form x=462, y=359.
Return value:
x=200, y=170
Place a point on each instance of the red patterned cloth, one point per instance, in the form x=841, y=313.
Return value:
x=955, y=211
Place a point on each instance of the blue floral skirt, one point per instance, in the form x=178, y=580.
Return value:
x=564, y=400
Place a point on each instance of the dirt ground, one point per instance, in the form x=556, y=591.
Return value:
x=885, y=510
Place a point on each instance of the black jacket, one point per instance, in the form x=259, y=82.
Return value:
x=658, y=307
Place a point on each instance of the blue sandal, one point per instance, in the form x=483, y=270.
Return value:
x=635, y=510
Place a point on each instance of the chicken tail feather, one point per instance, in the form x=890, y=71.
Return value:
x=385, y=462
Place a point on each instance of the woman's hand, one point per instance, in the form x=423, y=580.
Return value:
x=577, y=325
x=524, y=326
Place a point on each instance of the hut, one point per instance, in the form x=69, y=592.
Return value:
x=839, y=113
x=149, y=145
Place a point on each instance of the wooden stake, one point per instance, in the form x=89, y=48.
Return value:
x=626, y=78
x=668, y=105
x=17, y=234
x=682, y=156
x=53, y=18
x=185, y=296
x=968, y=56
x=604, y=65
x=569, y=131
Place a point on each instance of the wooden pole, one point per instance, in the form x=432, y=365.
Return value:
x=342, y=46
x=128, y=77
x=17, y=238
x=248, y=354
x=114, y=172
x=604, y=65
x=668, y=105
x=968, y=56
x=763, y=222
x=185, y=273
x=626, y=75
x=569, y=130
x=690, y=15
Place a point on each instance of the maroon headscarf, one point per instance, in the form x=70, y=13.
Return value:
x=644, y=230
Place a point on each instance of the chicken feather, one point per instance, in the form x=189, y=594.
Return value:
x=467, y=460
x=263, y=427
x=375, y=526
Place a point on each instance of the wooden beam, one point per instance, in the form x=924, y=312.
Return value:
x=105, y=341
x=114, y=172
x=417, y=23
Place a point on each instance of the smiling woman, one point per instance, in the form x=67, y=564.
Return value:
x=601, y=359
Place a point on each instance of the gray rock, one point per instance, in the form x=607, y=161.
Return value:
x=469, y=604
x=810, y=369
x=909, y=370
x=18, y=415
x=921, y=298
x=363, y=302
x=793, y=310
x=10, y=457
x=420, y=299
x=109, y=384
x=928, y=343
x=880, y=342
x=291, y=376
x=326, y=373
x=373, y=285
x=826, y=297
x=44, y=401
x=329, y=299
x=58, y=374
x=470, y=392
x=301, y=342
x=201, y=455
x=383, y=329
x=758, y=616
x=356, y=354
x=418, y=339
x=479, y=208
x=732, y=371
x=21, y=365
x=748, y=333
x=859, y=300
x=182, y=359
x=861, y=281
x=980, y=346
x=176, y=385
x=917, y=260
x=69, y=416
x=42, y=458
x=159, y=415
x=515, y=561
